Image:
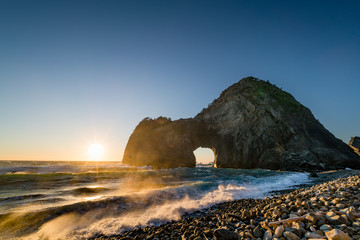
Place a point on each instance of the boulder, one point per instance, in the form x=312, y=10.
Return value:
x=278, y=232
x=257, y=232
x=337, y=234
x=267, y=235
x=253, y=124
x=291, y=236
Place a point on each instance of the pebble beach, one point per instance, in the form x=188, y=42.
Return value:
x=328, y=210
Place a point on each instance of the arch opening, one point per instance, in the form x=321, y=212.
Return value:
x=204, y=156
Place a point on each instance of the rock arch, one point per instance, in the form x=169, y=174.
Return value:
x=253, y=124
x=168, y=144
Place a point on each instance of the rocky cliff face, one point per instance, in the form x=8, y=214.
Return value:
x=355, y=144
x=253, y=124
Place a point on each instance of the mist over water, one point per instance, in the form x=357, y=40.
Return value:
x=78, y=200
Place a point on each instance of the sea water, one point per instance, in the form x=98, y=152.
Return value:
x=79, y=200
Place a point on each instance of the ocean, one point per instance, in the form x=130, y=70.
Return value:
x=80, y=200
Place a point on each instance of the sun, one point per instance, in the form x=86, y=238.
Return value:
x=96, y=151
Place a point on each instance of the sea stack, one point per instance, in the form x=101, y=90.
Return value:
x=253, y=124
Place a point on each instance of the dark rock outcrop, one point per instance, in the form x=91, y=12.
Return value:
x=355, y=144
x=253, y=124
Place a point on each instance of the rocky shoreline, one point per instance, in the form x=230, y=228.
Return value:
x=328, y=210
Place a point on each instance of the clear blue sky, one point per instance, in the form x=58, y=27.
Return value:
x=74, y=72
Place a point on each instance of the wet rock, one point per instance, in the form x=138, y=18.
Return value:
x=276, y=213
x=325, y=227
x=193, y=237
x=350, y=230
x=208, y=233
x=150, y=236
x=301, y=211
x=321, y=222
x=293, y=209
x=312, y=235
x=252, y=222
x=298, y=228
x=293, y=215
x=311, y=218
x=223, y=234
x=279, y=232
x=345, y=219
x=356, y=224
x=336, y=220
x=350, y=216
x=257, y=232
x=340, y=205
x=267, y=235
x=337, y=234
x=291, y=236
x=356, y=237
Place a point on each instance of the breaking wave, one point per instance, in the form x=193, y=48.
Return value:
x=123, y=201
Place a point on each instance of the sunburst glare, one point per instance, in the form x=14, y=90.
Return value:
x=96, y=151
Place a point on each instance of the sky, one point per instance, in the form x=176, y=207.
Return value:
x=77, y=72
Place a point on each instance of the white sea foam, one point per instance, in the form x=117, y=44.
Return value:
x=82, y=226
x=131, y=197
